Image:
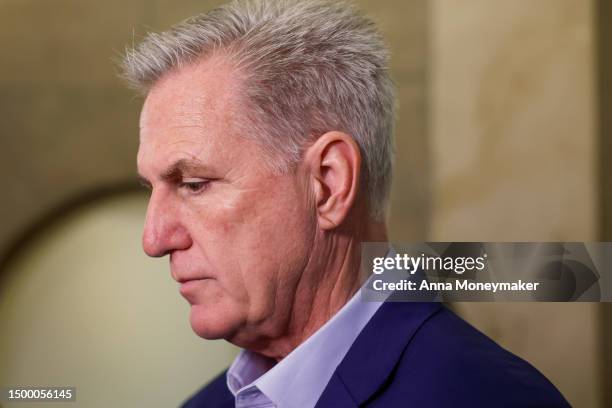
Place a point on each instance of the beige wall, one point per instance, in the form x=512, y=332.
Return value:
x=404, y=26
x=512, y=108
x=82, y=306
x=495, y=136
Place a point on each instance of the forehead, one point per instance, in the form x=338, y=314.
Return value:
x=196, y=92
x=203, y=94
x=192, y=113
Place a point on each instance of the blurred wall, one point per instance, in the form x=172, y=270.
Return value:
x=604, y=87
x=495, y=137
x=68, y=125
x=513, y=144
x=84, y=307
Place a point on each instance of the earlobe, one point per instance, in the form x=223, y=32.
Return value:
x=334, y=162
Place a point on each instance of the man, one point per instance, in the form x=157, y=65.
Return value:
x=266, y=139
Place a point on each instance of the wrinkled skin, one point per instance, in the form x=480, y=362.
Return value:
x=244, y=242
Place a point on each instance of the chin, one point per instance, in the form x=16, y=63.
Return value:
x=211, y=323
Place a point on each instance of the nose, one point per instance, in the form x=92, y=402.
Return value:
x=163, y=230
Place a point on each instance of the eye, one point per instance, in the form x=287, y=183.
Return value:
x=194, y=186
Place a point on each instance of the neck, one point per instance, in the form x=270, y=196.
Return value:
x=328, y=282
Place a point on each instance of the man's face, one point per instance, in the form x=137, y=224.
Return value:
x=238, y=234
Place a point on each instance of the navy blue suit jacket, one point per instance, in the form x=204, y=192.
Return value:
x=421, y=355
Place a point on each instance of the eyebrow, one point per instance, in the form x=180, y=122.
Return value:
x=177, y=170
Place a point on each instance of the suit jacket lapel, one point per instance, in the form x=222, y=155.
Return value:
x=375, y=352
x=336, y=394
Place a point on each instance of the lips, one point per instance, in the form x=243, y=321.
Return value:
x=190, y=288
x=185, y=280
x=187, y=277
x=190, y=281
x=182, y=271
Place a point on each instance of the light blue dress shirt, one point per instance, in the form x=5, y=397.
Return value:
x=298, y=380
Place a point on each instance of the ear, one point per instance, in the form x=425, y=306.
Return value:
x=334, y=164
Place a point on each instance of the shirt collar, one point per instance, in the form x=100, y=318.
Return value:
x=300, y=378
x=246, y=368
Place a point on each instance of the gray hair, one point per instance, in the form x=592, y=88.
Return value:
x=311, y=67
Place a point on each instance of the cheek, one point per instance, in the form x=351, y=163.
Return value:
x=268, y=224
x=252, y=217
x=257, y=240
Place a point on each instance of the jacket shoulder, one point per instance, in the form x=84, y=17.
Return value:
x=215, y=394
x=450, y=363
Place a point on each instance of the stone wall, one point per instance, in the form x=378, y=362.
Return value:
x=513, y=145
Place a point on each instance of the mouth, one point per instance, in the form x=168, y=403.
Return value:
x=190, y=287
x=186, y=276
x=186, y=280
